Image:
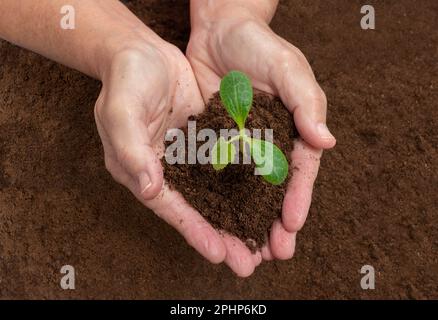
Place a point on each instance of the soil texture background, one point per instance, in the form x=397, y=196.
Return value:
x=375, y=200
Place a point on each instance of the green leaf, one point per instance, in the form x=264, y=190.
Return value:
x=222, y=154
x=270, y=161
x=236, y=94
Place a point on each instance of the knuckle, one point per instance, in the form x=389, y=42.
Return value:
x=286, y=59
x=299, y=56
x=169, y=55
x=291, y=59
x=174, y=49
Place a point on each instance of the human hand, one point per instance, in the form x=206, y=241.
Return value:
x=132, y=115
x=226, y=36
x=143, y=78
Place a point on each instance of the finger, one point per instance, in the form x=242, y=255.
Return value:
x=238, y=256
x=266, y=253
x=309, y=110
x=257, y=258
x=256, y=254
x=282, y=242
x=130, y=142
x=296, y=85
x=170, y=206
x=296, y=203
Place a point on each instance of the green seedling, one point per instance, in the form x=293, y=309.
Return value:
x=236, y=94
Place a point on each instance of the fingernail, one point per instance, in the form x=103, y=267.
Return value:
x=323, y=131
x=145, y=182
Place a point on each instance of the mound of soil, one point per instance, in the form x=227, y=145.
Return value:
x=234, y=199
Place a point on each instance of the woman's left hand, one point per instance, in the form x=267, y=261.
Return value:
x=227, y=37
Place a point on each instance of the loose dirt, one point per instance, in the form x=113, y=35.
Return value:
x=375, y=200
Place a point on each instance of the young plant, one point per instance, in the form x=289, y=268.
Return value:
x=236, y=94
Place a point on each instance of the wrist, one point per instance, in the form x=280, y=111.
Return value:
x=204, y=14
x=120, y=46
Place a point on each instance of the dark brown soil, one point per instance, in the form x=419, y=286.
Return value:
x=234, y=199
x=375, y=200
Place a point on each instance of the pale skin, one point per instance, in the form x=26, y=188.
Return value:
x=144, y=77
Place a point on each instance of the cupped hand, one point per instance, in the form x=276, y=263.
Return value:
x=146, y=91
x=247, y=44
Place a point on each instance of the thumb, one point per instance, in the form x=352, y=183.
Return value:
x=280, y=68
x=132, y=149
x=143, y=165
x=299, y=90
